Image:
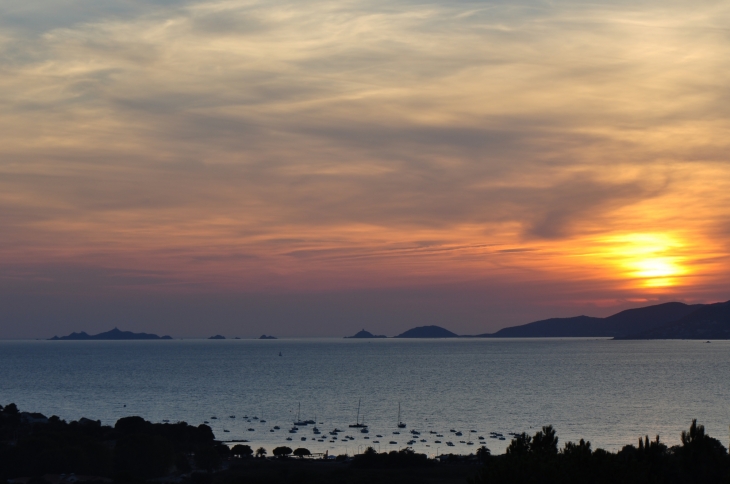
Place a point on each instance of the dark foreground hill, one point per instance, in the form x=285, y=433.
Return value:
x=427, y=332
x=114, y=334
x=620, y=325
x=708, y=322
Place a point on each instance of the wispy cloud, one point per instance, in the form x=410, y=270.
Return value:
x=269, y=146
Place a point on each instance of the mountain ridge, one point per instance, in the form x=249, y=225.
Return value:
x=711, y=321
x=623, y=323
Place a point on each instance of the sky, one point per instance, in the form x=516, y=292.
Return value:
x=311, y=168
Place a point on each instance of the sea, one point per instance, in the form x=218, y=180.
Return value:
x=608, y=392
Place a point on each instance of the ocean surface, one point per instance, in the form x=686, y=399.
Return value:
x=608, y=392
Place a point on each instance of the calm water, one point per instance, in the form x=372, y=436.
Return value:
x=609, y=392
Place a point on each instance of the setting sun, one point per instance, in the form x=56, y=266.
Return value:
x=651, y=258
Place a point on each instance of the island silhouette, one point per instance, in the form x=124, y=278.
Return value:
x=366, y=334
x=114, y=334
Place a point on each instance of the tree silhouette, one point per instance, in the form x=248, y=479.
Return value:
x=483, y=453
x=261, y=452
x=520, y=445
x=301, y=452
x=242, y=450
x=282, y=452
x=545, y=442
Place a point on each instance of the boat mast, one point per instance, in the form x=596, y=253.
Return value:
x=357, y=420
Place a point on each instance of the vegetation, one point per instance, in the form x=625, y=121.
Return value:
x=134, y=450
x=537, y=459
x=31, y=445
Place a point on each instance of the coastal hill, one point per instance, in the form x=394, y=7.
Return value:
x=114, y=334
x=711, y=321
x=366, y=334
x=218, y=336
x=620, y=325
x=427, y=332
x=263, y=336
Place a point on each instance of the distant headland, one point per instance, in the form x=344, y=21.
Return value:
x=263, y=336
x=673, y=320
x=114, y=334
x=365, y=334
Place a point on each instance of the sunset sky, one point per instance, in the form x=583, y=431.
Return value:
x=310, y=168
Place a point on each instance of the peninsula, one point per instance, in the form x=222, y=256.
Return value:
x=114, y=334
x=672, y=320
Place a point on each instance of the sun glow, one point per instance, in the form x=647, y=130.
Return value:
x=652, y=259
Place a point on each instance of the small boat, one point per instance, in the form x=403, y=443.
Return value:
x=276, y=427
x=251, y=430
x=358, y=424
x=165, y=421
x=379, y=436
x=364, y=431
x=288, y=438
x=436, y=441
x=262, y=421
x=272, y=430
x=214, y=418
x=304, y=438
x=376, y=441
x=226, y=430
x=232, y=416
x=396, y=433
x=393, y=442
x=458, y=434
x=205, y=421
x=280, y=353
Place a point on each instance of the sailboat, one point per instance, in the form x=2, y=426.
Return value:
x=358, y=424
x=299, y=420
x=401, y=425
